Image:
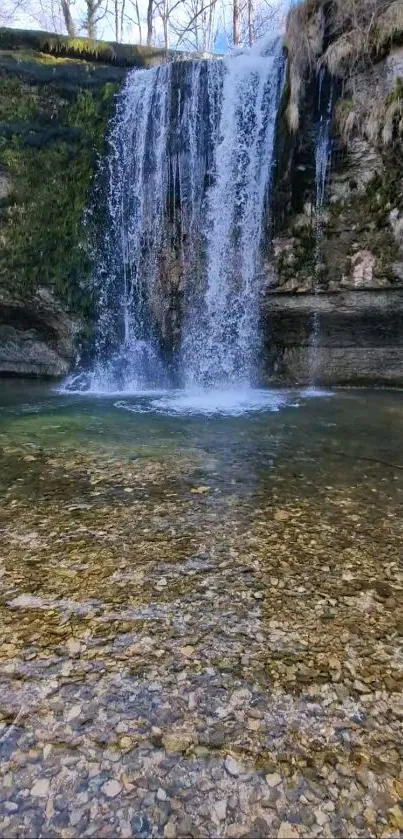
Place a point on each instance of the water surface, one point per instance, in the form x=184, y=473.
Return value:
x=201, y=613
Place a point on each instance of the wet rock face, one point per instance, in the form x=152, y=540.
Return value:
x=359, y=337
x=355, y=243
x=36, y=336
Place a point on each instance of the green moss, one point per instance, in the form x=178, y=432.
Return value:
x=49, y=152
x=125, y=55
x=398, y=91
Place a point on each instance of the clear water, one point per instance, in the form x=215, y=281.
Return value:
x=184, y=581
x=323, y=154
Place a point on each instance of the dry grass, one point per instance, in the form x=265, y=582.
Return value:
x=304, y=42
x=348, y=119
x=390, y=23
x=358, y=29
x=381, y=123
x=342, y=54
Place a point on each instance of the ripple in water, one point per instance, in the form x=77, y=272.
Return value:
x=229, y=402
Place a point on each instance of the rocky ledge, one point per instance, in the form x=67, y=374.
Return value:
x=344, y=338
x=36, y=335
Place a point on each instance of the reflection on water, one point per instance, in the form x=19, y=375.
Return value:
x=201, y=614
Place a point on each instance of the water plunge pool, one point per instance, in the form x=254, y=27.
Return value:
x=201, y=613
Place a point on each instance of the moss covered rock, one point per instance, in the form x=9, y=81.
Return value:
x=56, y=98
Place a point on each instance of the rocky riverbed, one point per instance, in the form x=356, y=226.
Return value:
x=201, y=628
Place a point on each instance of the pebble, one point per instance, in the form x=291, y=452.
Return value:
x=321, y=817
x=161, y=794
x=232, y=766
x=287, y=831
x=273, y=780
x=192, y=701
x=40, y=789
x=176, y=742
x=220, y=810
x=111, y=788
x=169, y=830
x=73, y=646
x=253, y=725
x=73, y=713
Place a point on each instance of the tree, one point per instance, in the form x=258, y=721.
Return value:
x=68, y=18
x=236, y=20
x=96, y=11
x=150, y=10
x=195, y=26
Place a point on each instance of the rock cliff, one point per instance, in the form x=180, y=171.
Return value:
x=335, y=273
x=56, y=96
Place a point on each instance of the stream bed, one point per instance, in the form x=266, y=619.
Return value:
x=201, y=614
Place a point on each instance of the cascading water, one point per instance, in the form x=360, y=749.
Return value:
x=221, y=331
x=323, y=152
x=189, y=168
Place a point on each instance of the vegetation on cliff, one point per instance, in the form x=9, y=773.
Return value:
x=53, y=123
x=49, y=141
x=341, y=36
x=347, y=52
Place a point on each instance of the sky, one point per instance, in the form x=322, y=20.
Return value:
x=106, y=27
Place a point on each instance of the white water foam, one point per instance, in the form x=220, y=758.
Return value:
x=196, y=402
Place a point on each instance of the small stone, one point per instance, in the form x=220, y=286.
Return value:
x=321, y=817
x=187, y=651
x=334, y=663
x=253, y=725
x=258, y=595
x=200, y=490
x=220, y=810
x=10, y=806
x=40, y=789
x=170, y=831
x=235, y=831
x=282, y=515
x=75, y=817
x=177, y=742
x=73, y=713
x=360, y=686
x=396, y=817
x=161, y=794
x=73, y=646
x=370, y=816
x=111, y=788
x=273, y=780
x=287, y=831
x=232, y=766
x=192, y=701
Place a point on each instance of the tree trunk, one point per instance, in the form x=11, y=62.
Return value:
x=235, y=23
x=250, y=22
x=150, y=7
x=116, y=11
x=68, y=20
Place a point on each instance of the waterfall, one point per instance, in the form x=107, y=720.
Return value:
x=178, y=268
x=323, y=152
x=222, y=332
